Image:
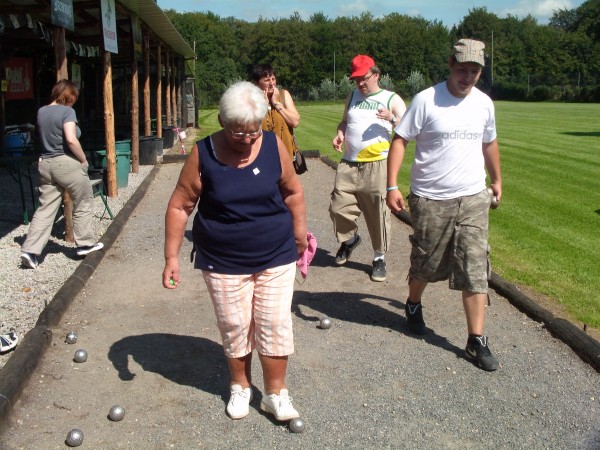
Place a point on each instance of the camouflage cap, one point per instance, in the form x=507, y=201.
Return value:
x=469, y=50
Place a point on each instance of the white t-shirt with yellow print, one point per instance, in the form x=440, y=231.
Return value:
x=367, y=138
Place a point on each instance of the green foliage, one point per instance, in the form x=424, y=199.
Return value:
x=385, y=81
x=415, y=82
x=560, y=61
x=345, y=86
x=327, y=89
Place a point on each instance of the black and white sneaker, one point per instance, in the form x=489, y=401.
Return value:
x=477, y=349
x=379, y=271
x=29, y=260
x=346, y=250
x=84, y=250
x=414, y=317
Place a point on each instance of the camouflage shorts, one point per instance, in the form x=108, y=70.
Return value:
x=450, y=241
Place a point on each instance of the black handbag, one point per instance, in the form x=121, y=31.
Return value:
x=299, y=161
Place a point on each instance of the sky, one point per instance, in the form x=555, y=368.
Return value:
x=449, y=12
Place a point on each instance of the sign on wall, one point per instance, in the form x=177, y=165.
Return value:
x=19, y=78
x=76, y=74
x=136, y=32
x=109, y=25
x=62, y=14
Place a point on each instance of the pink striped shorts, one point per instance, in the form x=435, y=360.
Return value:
x=254, y=311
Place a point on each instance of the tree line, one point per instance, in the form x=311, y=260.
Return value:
x=524, y=60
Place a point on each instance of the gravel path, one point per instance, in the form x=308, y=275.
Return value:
x=364, y=383
x=23, y=292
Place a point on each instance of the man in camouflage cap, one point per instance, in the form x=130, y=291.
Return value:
x=454, y=126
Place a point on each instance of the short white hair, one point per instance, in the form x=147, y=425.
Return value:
x=243, y=103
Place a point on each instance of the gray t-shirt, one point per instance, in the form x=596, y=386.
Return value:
x=50, y=120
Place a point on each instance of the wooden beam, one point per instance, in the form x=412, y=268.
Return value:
x=135, y=118
x=173, y=89
x=60, y=61
x=159, y=92
x=147, y=116
x=168, y=87
x=135, y=112
x=109, y=128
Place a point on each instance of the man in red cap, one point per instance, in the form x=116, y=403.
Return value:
x=366, y=132
x=454, y=126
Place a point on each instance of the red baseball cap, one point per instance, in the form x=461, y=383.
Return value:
x=361, y=64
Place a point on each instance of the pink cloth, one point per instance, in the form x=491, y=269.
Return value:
x=307, y=255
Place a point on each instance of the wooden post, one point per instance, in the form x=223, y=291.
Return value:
x=147, y=116
x=180, y=97
x=159, y=91
x=168, y=87
x=173, y=90
x=60, y=63
x=135, y=117
x=109, y=128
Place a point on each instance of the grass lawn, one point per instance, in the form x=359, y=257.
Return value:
x=546, y=233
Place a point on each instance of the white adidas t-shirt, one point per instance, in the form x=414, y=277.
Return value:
x=449, y=133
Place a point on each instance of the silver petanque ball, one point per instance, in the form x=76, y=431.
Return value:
x=297, y=425
x=74, y=438
x=116, y=413
x=494, y=200
x=71, y=337
x=80, y=356
x=325, y=323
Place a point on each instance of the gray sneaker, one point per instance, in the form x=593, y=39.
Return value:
x=346, y=250
x=477, y=349
x=379, y=271
x=29, y=260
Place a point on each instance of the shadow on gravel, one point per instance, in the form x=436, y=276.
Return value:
x=185, y=360
x=358, y=308
x=324, y=258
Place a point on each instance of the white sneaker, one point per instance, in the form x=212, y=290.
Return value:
x=82, y=251
x=239, y=402
x=279, y=405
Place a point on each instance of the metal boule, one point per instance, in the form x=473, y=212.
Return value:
x=325, y=323
x=74, y=438
x=116, y=413
x=80, y=356
x=297, y=425
x=71, y=337
x=494, y=203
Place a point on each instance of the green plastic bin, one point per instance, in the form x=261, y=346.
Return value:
x=123, y=153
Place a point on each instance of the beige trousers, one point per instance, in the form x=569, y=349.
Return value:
x=360, y=188
x=57, y=175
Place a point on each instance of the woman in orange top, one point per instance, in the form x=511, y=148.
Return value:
x=282, y=116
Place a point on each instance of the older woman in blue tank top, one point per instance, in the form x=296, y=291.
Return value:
x=248, y=232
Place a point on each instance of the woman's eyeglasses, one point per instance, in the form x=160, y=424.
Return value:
x=241, y=136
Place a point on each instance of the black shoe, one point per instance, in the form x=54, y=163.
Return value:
x=414, y=317
x=477, y=349
x=346, y=250
x=379, y=270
